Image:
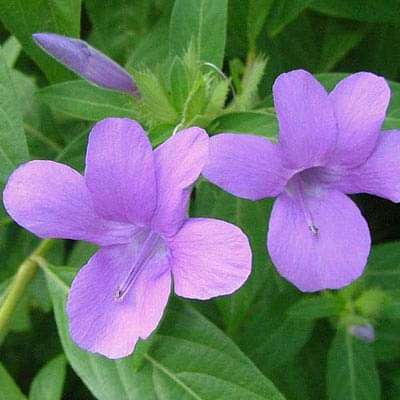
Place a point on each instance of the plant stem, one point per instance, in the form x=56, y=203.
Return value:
x=26, y=272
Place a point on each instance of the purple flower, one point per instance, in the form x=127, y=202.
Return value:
x=87, y=62
x=364, y=332
x=329, y=145
x=132, y=202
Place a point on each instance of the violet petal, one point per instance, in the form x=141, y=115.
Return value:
x=52, y=201
x=246, y=165
x=102, y=324
x=360, y=102
x=307, y=126
x=328, y=253
x=209, y=258
x=120, y=171
x=178, y=162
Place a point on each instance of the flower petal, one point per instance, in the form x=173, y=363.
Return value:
x=86, y=61
x=120, y=171
x=330, y=258
x=247, y=166
x=307, y=128
x=102, y=324
x=380, y=174
x=209, y=258
x=179, y=162
x=360, y=103
x=52, y=201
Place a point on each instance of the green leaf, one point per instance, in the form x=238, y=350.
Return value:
x=283, y=12
x=23, y=18
x=352, y=373
x=13, y=147
x=202, y=23
x=361, y=10
x=284, y=343
x=152, y=49
x=80, y=254
x=387, y=344
x=212, y=202
x=257, y=123
x=256, y=15
x=11, y=50
x=316, y=307
x=79, y=99
x=116, y=32
x=383, y=266
x=48, y=383
x=155, y=106
x=339, y=38
x=391, y=310
x=190, y=359
x=8, y=388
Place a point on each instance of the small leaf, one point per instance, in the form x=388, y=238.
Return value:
x=82, y=100
x=48, y=383
x=352, y=373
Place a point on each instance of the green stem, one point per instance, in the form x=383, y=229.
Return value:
x=26, y=272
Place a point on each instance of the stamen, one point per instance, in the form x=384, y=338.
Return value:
x=148, y=249
x=299, y=192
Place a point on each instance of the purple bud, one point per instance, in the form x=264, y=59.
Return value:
x=365, y=332
x=86, y=61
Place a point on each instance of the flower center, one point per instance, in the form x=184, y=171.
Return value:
x=150, y=244
x=297, y=188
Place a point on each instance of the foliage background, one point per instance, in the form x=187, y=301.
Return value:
x=299, y=342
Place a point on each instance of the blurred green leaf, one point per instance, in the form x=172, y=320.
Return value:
x=79, y=99
x=352, y=373
x=383, y=266
x=201, y=23
x=323, y=306
x=80, y=254
x=48, y=383
x=116, y=32
x=13, y=147
x=391, y=310
x=11, y=50
x=23, y=18
x=8, y=388
x=340, y=36
x=283, y=12
x=361, y=10
x=153, y=49
x=387, y=344
x=256, y=15
x=191, y=359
